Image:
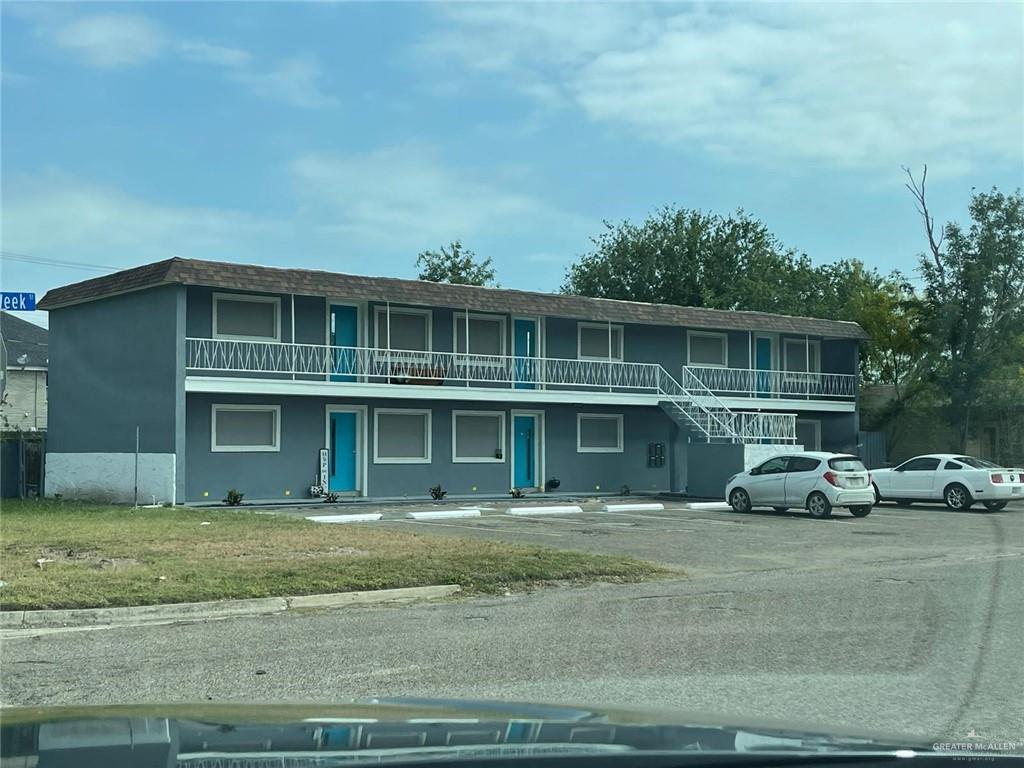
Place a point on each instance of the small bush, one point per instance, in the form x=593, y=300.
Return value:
x=625, y=491
x=437, y=492
x=234, y=498
x=516, y=493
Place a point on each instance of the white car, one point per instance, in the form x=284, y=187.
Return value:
x=958, y=480
x=814, y=481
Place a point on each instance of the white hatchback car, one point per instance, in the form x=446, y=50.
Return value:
x=958, y=480
x=815, y=481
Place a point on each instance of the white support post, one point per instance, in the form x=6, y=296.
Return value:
x=387, y=316
x=609, y=369
x=467, y=346
x=294, y=349
x=750, y=362
x=807, y=366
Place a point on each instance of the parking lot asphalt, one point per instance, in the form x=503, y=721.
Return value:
x=908, y=620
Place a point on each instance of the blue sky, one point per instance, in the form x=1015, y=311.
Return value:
x=351, y=136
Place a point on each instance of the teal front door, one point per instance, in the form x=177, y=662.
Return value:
x=344, y=334
x=524, y=347
x=763, y=364
x=344, y=459
x=525, y=451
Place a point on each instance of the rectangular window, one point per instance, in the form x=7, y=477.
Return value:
x=245, y=428
x=598, y=341
x=410, y=329
x=710, y=349
x=598, y=433
x=401, y=436
x=797, y=354
x=478, y=437
x=486, y=334
x=250, y=318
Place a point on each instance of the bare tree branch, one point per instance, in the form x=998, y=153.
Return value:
x=917, y=190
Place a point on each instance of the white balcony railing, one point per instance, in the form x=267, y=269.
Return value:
x=748, y=382
x=691, y=401
x=372, y=365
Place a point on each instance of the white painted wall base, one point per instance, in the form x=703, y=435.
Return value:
x=755, y=454
x=111, y=477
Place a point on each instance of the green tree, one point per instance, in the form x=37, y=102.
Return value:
x=698, y=259
x=972, y=311
x=455, y=263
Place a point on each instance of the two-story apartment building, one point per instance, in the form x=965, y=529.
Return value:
x=273, y=381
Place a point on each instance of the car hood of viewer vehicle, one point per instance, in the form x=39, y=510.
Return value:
x=399, y=730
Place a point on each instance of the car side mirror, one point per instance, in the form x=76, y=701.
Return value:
x=755, y=471
x=898, y=469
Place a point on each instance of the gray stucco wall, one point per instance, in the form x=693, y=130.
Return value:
x=709, y=467
x=114, y=366
x=303, y=434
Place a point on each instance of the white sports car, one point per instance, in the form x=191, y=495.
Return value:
x=958, y=480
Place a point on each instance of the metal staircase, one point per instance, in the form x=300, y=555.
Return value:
x=718, y=423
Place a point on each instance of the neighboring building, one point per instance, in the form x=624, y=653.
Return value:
x=237, y=376
x=23, y=363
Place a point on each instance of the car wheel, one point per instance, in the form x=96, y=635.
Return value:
x=862, y=511
x=781, y=509
x=739, y=500
x=957, y=497
x=994, y=506
x=818, y=505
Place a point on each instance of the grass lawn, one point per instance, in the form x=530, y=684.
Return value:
x=102, y=555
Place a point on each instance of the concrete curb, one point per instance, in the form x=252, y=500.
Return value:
x=560, y=510
x=214, y=609
x=650, y=507
x=367, y=517
x=720, y=505
x=443, y=514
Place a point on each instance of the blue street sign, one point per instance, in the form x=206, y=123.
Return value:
x=14, y=300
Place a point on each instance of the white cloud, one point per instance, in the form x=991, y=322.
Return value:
x=110, y=40
x=199, y=52
x=856, y=86
x=57, y=214
x=405, y=196
x=294, y=81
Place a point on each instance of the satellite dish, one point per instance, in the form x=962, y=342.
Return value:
x=22, y=359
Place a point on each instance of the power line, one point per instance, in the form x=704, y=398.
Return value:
x=25, y=258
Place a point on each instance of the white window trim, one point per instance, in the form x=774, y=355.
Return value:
x=378, y=459
x=795, y=375
x=817, y=432
x=708, y=335
x=382, y=343
x=275, y=448
x=500, y=319
x=456, y=459
x=607, y=416
x=275, y=300
x=616, y=356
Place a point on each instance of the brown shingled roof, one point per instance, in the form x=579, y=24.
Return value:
x=317, y=283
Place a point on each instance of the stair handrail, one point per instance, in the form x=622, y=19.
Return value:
x=729, y=430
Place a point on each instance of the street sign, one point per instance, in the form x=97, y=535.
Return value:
x=17, y=301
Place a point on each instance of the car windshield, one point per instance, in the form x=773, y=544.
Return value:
x=582, y=355
x=847, y=464
x=974, y=463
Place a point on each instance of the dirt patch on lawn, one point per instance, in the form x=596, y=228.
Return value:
x=82, y=557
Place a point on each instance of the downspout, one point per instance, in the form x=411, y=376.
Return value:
x=466, y=318
x=807, y=364
x=294, y=350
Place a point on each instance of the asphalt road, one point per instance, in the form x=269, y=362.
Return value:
x=908, y=620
